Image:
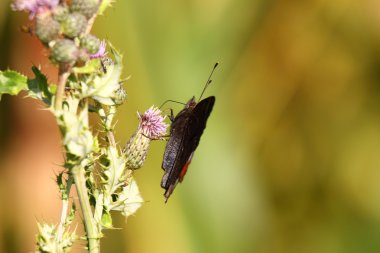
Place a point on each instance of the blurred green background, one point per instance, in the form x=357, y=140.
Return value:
x=290, y=159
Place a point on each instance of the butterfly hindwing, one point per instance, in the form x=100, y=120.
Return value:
x=174, y=146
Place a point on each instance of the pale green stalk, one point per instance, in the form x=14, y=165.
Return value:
x=88, y=219
x=63, y=74
x=65, y=208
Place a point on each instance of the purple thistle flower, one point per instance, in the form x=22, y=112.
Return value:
x=151, y=127
x=152, y=123
x=34, y=7
x=101, y=52
x=48, y=3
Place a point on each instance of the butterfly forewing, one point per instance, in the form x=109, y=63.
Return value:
x=198, y=120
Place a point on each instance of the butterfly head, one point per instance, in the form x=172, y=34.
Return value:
x=191, y=103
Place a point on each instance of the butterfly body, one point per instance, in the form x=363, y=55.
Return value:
x=185, y=132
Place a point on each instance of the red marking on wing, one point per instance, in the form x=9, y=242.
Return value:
x=184, y=169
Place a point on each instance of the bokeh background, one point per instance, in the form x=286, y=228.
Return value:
x=290, y=159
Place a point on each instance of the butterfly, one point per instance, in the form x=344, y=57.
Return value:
x=186, y=130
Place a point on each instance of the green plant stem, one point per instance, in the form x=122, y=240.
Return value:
x=63, y=74
x=89, y=222
x=110, y=135
x=65, y=207
x=107, y=118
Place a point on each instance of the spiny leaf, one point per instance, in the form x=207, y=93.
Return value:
x=114, y=172
x=106, y=220
x=12, y=82
x=38, y=87
x=132, y=199
x=103, y=89
x=71, y=216
x=78, y=138
x=62, y=186
x=90, y=67
x=129, y=199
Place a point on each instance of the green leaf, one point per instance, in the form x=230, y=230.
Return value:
x=39, y=88
x=12, y=82
x=61, y=186
x=107, y=220
x=71, y=216
x=103, y=88
x=114, y=172
x=77, y=137
x=132, y=199
x=129, y=199
x=90, y=67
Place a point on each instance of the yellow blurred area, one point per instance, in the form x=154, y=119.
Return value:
x=289, y=161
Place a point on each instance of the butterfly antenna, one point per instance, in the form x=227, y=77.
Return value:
x=208, y=80
x=173, y=101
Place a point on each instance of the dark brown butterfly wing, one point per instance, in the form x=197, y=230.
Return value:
x=185, y=133
x=198, y=120
x=174, y=146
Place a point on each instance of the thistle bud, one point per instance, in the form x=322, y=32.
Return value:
x=90, y=43
x=86, y=7
x=47, y=29
x=64, y=51
x=60, y=13
x=152, y=126
x=101, y=51
x=74, y=25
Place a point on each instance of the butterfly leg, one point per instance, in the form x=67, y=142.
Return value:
x=171, y=116
x=162, y=137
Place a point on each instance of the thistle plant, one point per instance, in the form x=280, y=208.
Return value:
x=89, y=81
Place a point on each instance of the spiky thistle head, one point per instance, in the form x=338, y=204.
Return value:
x=151, y=127
x=152, y=123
